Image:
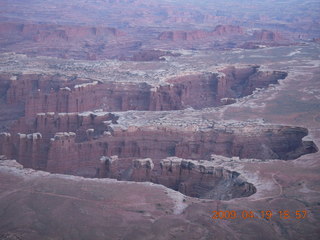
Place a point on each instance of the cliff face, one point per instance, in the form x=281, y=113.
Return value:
x=64, y=41
x=45, y=93
x=267, y=36
x=52, y=125
x=46, y=33
x=65, y=100
x=192, y=178
x=184, y=35
x=4, y=86
x=223, y=30
x=22, y=86
x=88, y=96
x=40, y=93
x=79, y=153
x=6, y=144
x=57, y=133
x=147, y=108
x=226, y=37
x=209, y=89
x=30, y=149
x=219, y=31
x=242, y=82
x=202, y=179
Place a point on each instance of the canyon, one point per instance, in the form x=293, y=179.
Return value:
x=44, y=93
x=144, y=131
x=65, y=136
x=134, y=119
x=101, y=42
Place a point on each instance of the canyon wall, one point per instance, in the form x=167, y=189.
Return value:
x=76, y=153
x=65, y=41
x=55, y=33
x=268, y=36
x=54, y=136
x=45, y=93
x=192, y=178
x=92, y=95
x=218, y=32
x=202, y=179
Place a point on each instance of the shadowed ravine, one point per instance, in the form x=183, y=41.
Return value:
x=56, y=135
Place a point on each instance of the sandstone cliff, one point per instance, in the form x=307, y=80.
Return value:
x=219, y=31
x=202, y=179
x=268, y=36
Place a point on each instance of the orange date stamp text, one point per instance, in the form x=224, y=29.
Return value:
x=266, y=214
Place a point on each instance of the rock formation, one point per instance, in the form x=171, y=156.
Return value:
x=44, y=93
x=146, y=119
x=219, y=31
x=45, y=33
x=99, y=135
x=58, y=135
x=268, y=36
x=192, y=178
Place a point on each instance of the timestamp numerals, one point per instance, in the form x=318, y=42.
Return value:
x=224, y=215
x=284, y=214
x=247, y=214
x=301, y=214
x=267, y=215
x=297, y=214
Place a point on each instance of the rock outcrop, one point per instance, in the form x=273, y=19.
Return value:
x=219, y=31
x=184, y=35
x=79, y=153
x=203, y=179
x=268, y=36
x=114, y=110
x=45, y=93
x=64, y=41
x=225, y=30
x=192, y=178
x=46, y=33
x=54, y=136
x=30, y=149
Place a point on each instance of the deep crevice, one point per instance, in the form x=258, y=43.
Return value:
x=55, y=137
x=199, y=179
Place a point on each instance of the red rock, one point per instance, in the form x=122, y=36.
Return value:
x=192, y=178
x=80, y=153
x=46, y=125
x=268, y=36
x=219, y=31
x=223, y=30
x=51, y=32
x=183, y=35
x=64, y=41
x=44, y=93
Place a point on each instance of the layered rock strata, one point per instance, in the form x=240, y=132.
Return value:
x=57, y=138
x=201, y=179
x=219, y=31
x=100, y=134
x=45, y=93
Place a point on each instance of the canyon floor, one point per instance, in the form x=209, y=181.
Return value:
x=145, y=130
